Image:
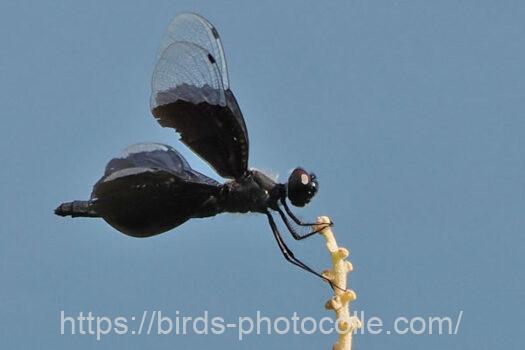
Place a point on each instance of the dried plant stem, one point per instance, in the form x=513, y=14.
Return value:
x=341, y=300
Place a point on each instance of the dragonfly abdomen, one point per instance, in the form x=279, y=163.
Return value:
x=76, y=209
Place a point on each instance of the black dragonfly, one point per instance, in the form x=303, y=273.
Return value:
x=151, y=188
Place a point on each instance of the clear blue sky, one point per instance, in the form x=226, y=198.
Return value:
x=411, y=113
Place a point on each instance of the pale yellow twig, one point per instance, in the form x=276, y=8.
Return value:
x=341, y=300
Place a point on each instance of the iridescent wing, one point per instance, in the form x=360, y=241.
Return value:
x=190, y=93
x=153, y=157
x=195, y=29
x=149, y=189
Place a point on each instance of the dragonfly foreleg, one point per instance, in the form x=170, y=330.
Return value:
x=295, y=218
x=288, y=254
x=296, y=235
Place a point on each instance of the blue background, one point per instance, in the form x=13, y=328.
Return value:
x=411, y=113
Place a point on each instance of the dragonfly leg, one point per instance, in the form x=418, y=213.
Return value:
x=297, y=236
x=295, y=218
x=288, y=254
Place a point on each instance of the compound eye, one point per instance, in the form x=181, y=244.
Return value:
x=302, y=186
x=305, y=179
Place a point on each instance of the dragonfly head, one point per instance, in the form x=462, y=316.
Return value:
x=302, y=186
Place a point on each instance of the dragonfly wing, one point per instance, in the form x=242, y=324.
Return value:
x=190, y=95
x=155, y=156
x=195, y=29
x=150, y=189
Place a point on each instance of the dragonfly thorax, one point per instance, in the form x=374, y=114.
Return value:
x=255, y=192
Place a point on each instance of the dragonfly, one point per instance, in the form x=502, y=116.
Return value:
x=150, y=188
